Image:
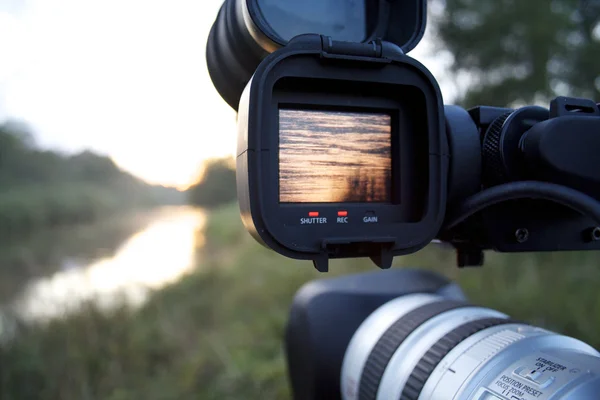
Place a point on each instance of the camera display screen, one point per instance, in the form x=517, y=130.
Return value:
x=334, y=156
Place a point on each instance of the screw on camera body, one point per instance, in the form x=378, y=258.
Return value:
x=522, y=235
x=592, y=234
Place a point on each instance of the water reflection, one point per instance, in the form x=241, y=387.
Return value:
x=47, y=251
x=155, y=256
x=331, y=156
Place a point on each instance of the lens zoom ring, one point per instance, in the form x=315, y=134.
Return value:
x=392, y=339
x=415, y=383
x=493, y=168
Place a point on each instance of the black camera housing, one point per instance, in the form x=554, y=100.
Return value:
x=314, y=72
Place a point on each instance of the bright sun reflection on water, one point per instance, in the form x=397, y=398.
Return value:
x=152, y=258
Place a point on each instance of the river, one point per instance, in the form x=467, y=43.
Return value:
x=118, y=259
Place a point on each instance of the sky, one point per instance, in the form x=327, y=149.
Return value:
x=125, y=78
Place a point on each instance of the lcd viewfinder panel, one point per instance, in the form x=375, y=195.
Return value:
x=334, y=156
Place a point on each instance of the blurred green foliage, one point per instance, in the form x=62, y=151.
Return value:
x=217, y=333
x=522, y=51
x=42, y=188
x=217, y=186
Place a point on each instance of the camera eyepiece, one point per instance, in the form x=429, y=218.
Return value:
x=246, y=31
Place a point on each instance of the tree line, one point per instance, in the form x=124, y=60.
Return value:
x=216, y=185
x=42, y=188
x=517, y=52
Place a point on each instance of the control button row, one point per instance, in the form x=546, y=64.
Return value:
x=342, y=218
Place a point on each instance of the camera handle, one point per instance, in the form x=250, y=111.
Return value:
x=523, y=154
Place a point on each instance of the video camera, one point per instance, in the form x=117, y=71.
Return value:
x=346, y=149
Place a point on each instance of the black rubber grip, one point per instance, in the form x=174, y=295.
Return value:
x=389, y=342
x=416, y=381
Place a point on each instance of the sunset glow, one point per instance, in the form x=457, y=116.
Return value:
x=125, y=78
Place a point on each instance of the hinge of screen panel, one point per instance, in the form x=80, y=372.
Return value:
x=375, y=50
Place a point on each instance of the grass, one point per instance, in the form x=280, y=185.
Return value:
x=217, y=333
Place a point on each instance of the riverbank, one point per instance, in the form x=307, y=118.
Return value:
x=217, y=333
x=44, y=252
x=26, y=210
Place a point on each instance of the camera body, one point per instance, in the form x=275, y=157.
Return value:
x=345, y=149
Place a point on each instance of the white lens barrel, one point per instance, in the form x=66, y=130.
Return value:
x=405, y=360
x=426, y=347
x=368, y=334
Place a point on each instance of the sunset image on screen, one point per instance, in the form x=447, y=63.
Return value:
x=333, y=156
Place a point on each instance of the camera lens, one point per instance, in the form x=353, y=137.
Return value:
x=425, y=346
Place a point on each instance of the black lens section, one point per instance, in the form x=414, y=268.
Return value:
x=341, y=19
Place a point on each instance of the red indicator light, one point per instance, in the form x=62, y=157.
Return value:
x=342, y=213
x=313, y=214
